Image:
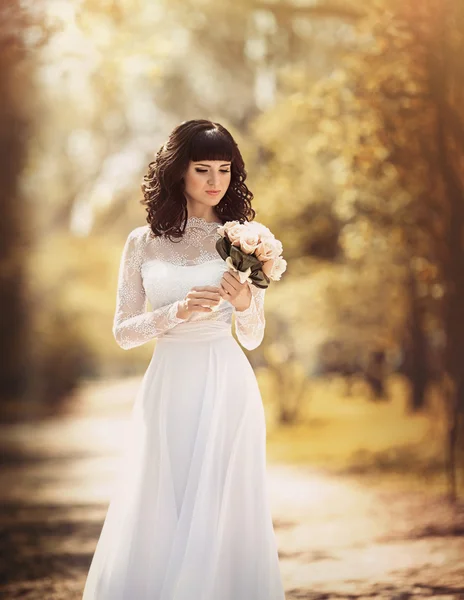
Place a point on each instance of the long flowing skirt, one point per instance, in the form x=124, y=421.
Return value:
x=189, y=518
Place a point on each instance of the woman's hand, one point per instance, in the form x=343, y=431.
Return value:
x=238, y=294
x=199, y=299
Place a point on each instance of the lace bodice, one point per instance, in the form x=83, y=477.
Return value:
x=161, y=272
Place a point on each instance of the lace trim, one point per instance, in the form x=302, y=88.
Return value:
x=202, y=223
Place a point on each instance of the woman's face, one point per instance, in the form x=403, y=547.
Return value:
x=206, y=181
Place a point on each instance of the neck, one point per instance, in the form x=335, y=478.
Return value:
x=201, y=211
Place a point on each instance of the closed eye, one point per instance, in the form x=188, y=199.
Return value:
x=206, y=170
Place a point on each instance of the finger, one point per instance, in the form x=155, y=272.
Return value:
x=228, y=287
x=229, y=291
x=207, y=301
x=194, y=307
x=205, y=295
x=205, y=288
x=233, y=280
x=232, y=275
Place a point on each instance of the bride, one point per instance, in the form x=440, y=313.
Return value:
x=189, y=517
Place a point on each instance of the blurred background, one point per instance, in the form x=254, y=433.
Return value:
x=350, y=117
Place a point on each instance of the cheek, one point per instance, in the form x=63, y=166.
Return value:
x=193, y=181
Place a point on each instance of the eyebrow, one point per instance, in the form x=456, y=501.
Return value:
x=223, y=164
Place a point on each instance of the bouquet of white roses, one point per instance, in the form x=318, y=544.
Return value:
x=251, y=250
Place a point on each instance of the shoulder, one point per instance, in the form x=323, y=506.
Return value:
x=139, y=232
x=138, y=236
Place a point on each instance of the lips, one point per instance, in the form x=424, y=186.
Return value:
x=213, y=192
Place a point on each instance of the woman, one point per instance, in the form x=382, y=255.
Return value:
x=189, y=518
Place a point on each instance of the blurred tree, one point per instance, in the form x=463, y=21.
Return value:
x=277, y=355
x=446, y=71
x=380, y=142
x=340, y=138
x=42, y=355
x=15, y=78
x=244, y=45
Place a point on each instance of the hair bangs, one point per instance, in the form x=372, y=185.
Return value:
x=211, y=144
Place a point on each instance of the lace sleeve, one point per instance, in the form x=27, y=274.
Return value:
x=250, y=323
x=132, y=325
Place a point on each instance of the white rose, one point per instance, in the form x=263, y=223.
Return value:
x=223, y=229
x=234, y=234
x=249, y=241
x=260, y=229
x=268, y=248
x=279, y=267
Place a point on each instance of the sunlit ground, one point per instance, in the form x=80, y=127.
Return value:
x=341, y=432
x=340, y=534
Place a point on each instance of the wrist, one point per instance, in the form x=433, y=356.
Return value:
x=245, y=302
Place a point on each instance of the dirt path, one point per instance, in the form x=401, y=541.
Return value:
x=338, y=537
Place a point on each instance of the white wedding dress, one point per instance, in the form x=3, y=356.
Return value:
x=189, y=518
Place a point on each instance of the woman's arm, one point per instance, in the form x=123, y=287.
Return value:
x=250, y=323
x=132, y=325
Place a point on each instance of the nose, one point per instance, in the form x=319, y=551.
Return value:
x=213, y=180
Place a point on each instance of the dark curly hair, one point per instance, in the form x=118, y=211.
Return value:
x=163, y=185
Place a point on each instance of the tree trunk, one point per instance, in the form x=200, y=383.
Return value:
x=13, y=127
x=450, y=151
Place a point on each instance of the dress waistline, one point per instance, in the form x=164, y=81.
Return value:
x=197, y=331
